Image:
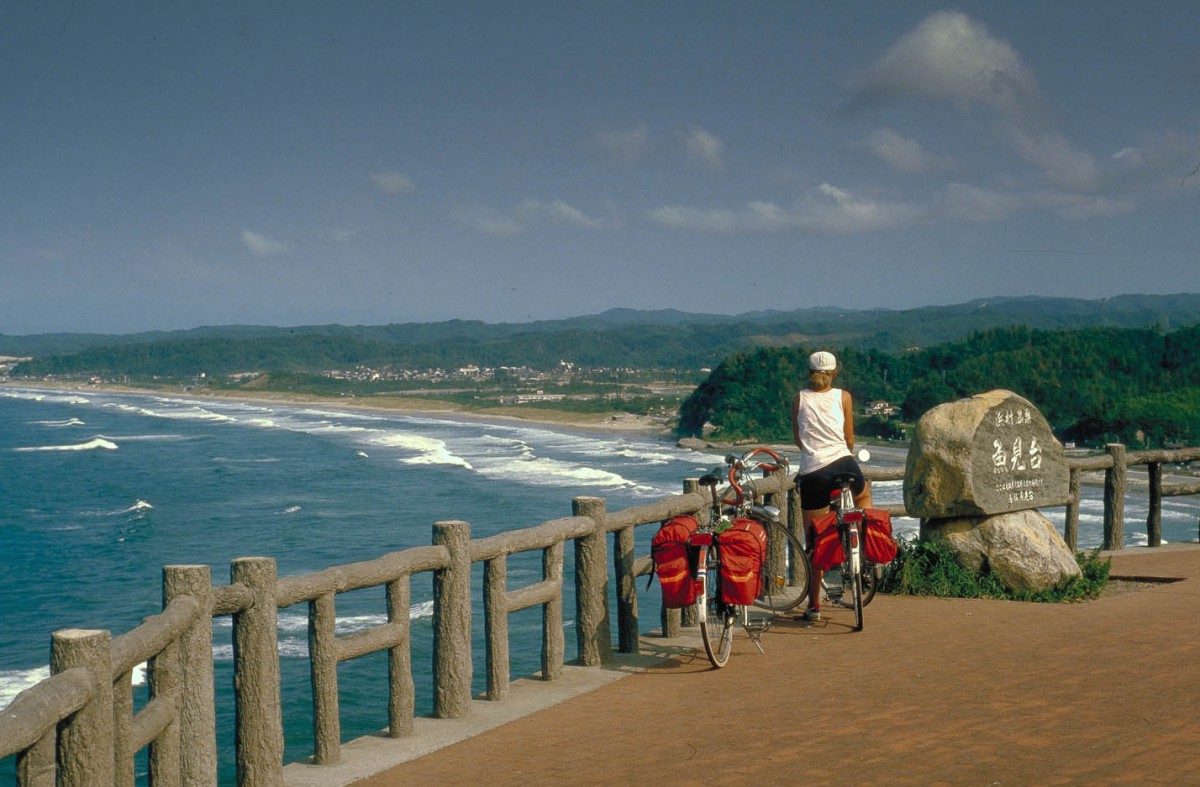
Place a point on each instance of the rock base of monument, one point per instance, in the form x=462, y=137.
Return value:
x=1021, y=548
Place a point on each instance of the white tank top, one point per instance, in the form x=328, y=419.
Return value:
x=821, y=424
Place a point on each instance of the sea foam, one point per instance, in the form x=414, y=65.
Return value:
x=90, y=445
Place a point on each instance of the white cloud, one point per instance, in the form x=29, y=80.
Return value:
x=488, y=222
x=903, y=154
x=1158, y=163
x=1062, y=165
x=705, y=147
x=951, y=57
x=833, y=210
x=261, y=245
x=390, y=182
x=624, y=146
x=826, y=210
x=557, y=211
x=970, y=203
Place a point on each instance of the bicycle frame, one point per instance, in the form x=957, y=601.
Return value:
x=716, y=617
x=850, y=520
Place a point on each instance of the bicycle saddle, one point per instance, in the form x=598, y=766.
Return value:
x=710, y=479
x=841, y=479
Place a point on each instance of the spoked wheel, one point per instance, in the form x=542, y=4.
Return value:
x=716, y=617
x=869, y=582
x=786, y=572
x=856, y=590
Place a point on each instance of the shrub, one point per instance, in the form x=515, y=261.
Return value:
x=930, y=568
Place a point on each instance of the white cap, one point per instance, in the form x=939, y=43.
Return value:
x=822, y=362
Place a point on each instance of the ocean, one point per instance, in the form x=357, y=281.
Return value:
x=99, y=490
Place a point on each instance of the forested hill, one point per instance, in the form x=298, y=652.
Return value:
x=619, y=337
x=1138, y=386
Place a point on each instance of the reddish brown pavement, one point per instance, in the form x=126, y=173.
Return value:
x=933, y=691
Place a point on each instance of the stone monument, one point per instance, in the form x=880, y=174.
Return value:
x=977, y=471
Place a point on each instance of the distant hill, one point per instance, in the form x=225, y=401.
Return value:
x=617, y=337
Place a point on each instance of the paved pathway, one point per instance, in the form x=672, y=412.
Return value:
x=934, y=691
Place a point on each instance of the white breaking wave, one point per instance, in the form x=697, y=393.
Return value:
x=13, y=682
x=553, y=472
x=42, y=396
x=428, y=450
x=171, y=411
x=293, y=630
x=57, y=424
x=290, y=510
x=140, y=505
x=90, y=445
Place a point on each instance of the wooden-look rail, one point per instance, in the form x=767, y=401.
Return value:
x=79, y=726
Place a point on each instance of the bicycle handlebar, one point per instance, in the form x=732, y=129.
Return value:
x=738, y=465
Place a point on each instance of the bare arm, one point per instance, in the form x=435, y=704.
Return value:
x=796, y=421
x=848, y=412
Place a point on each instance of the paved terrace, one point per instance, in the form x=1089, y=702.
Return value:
x=934, y=691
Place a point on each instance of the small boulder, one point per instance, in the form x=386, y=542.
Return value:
x=1023, y=548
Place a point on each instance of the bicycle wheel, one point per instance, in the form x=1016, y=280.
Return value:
x=856, y=590
x=784, y=586
x=716, y=617
x=869, y=581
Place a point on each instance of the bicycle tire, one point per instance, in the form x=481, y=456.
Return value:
x=787, y=590
x=716, y=618
x=870, y=582
x=857, y=592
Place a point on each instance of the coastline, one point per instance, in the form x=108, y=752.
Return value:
x=883, y=455
x=626, y=423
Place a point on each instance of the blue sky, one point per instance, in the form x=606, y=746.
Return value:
x=168, y=165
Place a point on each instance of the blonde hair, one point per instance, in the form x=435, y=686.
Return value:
x=821, y=380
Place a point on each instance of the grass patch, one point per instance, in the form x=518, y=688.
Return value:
x=929, y=568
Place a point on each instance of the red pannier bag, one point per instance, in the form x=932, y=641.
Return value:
x=669, y=548
x=827, y=552
x=743, y=548
x=878, y=544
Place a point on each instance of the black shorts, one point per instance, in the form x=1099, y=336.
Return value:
x=817, y=486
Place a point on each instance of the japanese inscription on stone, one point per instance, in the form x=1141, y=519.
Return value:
x=984, y=455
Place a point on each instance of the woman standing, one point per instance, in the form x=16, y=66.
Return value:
x=823, y=429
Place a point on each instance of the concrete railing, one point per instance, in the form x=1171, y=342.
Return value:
x=1115, y=463
x=80, y=725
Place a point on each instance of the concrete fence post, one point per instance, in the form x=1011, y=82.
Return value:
x=495, y=626
x=795, y=523
x=401, y=692
x=1071, y=516
x=628, y=635
x=591, y=585
x=85, y=740
x=258, y=723
x=323, y=664
x=554, y=639
x=197, y=711
x=1154, y=510
x=452, y=622
x=166, y=750
x=1114, y=498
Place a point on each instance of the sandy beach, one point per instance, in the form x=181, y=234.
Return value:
x=417, y=405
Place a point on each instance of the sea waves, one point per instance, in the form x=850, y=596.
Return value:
x=13, y=682
x=60, y=423
x=293, y=630
x=90, y=445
